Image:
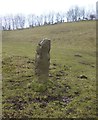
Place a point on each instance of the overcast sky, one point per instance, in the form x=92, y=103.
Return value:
x=41, y=6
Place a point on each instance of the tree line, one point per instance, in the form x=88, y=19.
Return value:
x=20, y=21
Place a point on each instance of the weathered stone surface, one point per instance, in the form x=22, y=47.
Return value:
x=42, y=59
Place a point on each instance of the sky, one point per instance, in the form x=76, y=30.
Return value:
x=38, y=7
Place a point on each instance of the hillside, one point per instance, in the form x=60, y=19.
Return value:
x=71, y=89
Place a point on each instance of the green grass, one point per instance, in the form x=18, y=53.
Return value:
x=66, y=94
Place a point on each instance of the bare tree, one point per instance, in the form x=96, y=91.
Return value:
x=31, y=20
x=45, y=19
x=19, y=21
x=75, y=13
x=49, y=18
x=70, y=15
x=37, y=19
x=82, y=12
x=13, y=22
x=62, y=16
x=5, y=23
x=52, y=18
x=90, y=13
x=41, y=19
x=57, y=17
x=9, y=22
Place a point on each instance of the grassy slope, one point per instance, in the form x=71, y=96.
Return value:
x=73, y=47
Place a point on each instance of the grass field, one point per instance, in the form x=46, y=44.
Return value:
x=71, y=89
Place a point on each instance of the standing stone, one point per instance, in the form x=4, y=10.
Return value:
x=42, y=60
